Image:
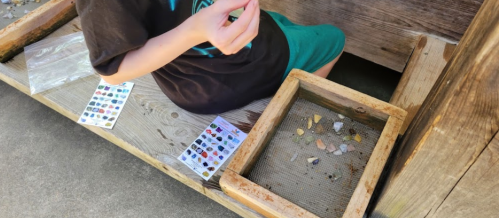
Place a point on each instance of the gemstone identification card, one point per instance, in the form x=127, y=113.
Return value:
x=106, y=104
x=210, y=150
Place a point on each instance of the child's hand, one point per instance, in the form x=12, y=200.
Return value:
x=209, y=25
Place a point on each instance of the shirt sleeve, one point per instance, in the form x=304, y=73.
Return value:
x=111, y=29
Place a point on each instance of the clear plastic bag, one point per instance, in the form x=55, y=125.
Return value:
x=56, y=61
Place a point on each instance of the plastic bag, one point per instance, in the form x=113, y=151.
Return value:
x=56, y=61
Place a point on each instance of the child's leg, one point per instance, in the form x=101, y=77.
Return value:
x=326, y=69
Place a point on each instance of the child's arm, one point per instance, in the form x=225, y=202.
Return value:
x=206, y=25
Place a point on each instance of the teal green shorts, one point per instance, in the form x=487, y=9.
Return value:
x=310, y=47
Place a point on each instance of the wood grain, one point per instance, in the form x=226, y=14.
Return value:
x=477, y=192
x=150, y=126
x=383, y=31
x=424, y=67
x=354, y=104
x=454, y=125
x=263, y=200
x=34, y=26
x=265, y=127
x=364, y=190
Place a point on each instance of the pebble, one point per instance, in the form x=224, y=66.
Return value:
x=300, y=131
x=294, y=157
x=309, y=123
x=337, y=152
x=337, y=126
x=357, y=138
x=309, y=139
x=347, y=138
x=6, y=1
x=331, y=148
x=350, y=148
x=319, y=129
x=312, y=159
x=320, y=144
x=352, y=131
x=8, y=16
x=343, y=148
x=341, y=116
x=317, y=118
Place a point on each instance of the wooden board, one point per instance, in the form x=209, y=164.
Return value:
x=454, y=125
x=383, y=31
x=150, y=126
x=424, y=67
x=268, y=203
x=477, y=192
x=34, y=26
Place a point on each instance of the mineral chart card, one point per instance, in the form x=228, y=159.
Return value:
x=213, y=146
x=106, y=104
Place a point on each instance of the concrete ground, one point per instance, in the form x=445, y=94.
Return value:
x=53, y=167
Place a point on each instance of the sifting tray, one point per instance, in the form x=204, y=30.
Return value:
x=262, y=176
x=303, y=183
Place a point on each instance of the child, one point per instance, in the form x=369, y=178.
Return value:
x=200, y=60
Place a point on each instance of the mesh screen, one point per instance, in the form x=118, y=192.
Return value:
x=314, y=188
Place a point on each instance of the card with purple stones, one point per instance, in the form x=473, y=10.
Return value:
x=106, y=104
x=212, y=148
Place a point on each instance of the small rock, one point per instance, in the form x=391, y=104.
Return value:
x=309, y=123
x=9, y=8
x=312, y=159
x=317, y=118
x=309, y=139
x=350, y=148
x=6, y=1
x=8, y=16
x=315, y=162
x=296, y=139
x=352, y=131
x=294, y=157
x=357, y=138
x=337, y=152
x=343, y=148
x=300, y=131
x=319, y=129
x=331, y=148
x=26, y=11
x=320, y=144
x=337, y=126
x=337, y=175
x=347, y=138
x=341, y=116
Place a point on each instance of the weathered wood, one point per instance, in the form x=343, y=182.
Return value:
x=360, y=198
x=265, y=127
x=385, y=31
x=150, y=126
x=477, y=193
x=424, y=67
x=456, y=122
x=34, y=26
x=361, y=107
x=269, y=204
x=266, y=202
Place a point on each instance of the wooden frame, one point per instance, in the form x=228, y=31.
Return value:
x=34, y=26
x=360, y=107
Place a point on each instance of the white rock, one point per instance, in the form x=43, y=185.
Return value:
x=344, y=148
x=294, y=157
x=26, y=11
x=337, y=152
x=337, y=126
x=6, y=1
x=312, y=159
x=341, y=116
x=8, y=16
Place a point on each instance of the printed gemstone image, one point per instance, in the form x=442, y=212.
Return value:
x=213, y=126
x=211, y=168
x=92, y=103
x=199, y=150
x=220, y=148
x=204, y=154
x=199, y=141
x=209, y=149
x=206, y=174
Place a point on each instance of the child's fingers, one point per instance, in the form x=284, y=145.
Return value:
x=247, y=36
x=239, y=26
x=226, y=6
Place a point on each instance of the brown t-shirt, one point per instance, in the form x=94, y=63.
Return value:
x=202, y=80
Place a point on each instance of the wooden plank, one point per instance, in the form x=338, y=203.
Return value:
x=364, y=190
x=354, y=104
x=268, y=203
x=454, y=125
x=148, y=112
x=34, y=26
x=265, y=127
x=424, y=67
x=384, y=32
x=477, y=193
